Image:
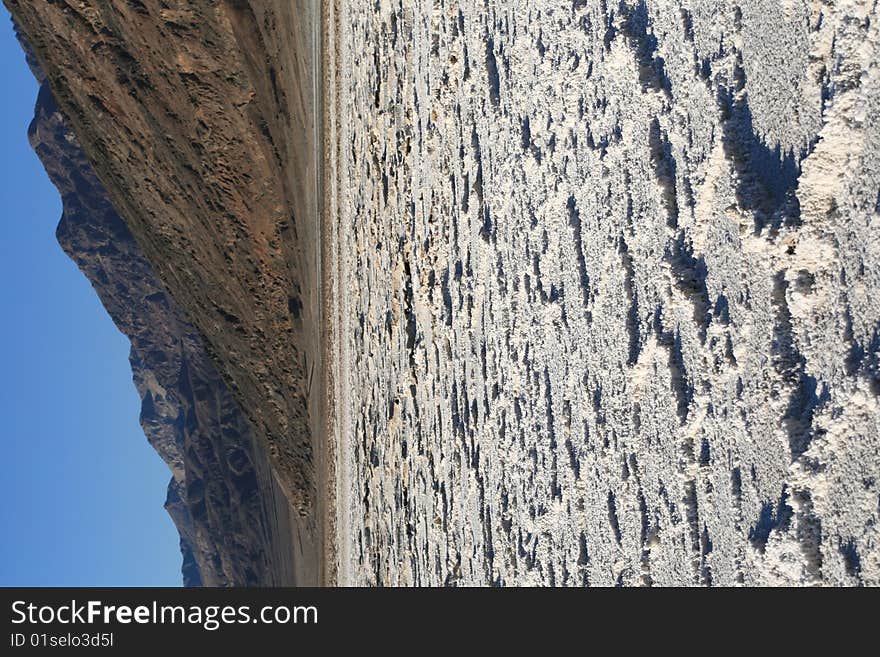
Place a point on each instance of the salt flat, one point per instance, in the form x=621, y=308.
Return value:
x=607, y=282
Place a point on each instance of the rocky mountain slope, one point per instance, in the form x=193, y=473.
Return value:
x=231, y=515
x=203, y=138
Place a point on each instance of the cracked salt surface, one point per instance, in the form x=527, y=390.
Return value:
x=611, y=282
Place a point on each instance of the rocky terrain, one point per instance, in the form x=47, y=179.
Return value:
x=233, y=518
x=608, y=280
x=203, y=136
x=508, y=293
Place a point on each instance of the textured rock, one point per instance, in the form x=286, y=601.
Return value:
x=198, y=119
x=183, y=124
x=607, y=291
x=230, y=513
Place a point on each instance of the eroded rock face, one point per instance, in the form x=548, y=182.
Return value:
x=608, y=292
x=221, y=496
x=198, y=119
x=191, y=121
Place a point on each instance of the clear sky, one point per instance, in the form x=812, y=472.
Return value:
x=81, y=490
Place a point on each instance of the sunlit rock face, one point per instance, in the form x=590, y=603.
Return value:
x=219, y=496
x=198, y=119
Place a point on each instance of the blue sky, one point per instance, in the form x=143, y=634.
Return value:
x=82, y=491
